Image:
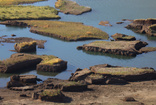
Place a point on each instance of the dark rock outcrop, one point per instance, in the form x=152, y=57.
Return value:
x=124, y=37
x=127, y=48
x=145, y=26
x=14, y=23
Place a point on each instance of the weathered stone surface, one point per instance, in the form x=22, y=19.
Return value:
x=119, y=36
x=17, y=62
x=54, y=95
x=128, y=99
x=147, y=26
x=127, y=48
x=147, y=49
x=64, y=85
x=18, y=81
x=25, y=46
x=52, y=67
x=80, y=75
x=96, y=79
x=125, y=73
x=114, y=80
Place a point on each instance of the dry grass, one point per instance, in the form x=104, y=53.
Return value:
x=23, y=44
x=27, y=12
x=51, y=61
x=69, y=30
x=123, y=71
x=15, y=2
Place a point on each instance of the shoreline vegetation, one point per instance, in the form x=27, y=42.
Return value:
x=68, y=31
x=27, y=12
x=16, y=2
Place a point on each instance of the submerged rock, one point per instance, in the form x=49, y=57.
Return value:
x=145, y=26
x=124, y=37
x=105, y=23
x=127, y=48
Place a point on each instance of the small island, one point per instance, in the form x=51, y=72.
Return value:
x=69, y=31
x=126, y=48
x=71, y=7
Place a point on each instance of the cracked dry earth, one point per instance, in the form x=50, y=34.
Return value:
x=143, y=92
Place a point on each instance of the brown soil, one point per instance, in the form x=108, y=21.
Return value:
x=143, y=92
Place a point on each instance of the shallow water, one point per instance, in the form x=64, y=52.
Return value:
x=110, y=10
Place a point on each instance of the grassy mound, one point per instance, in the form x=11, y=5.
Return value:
x=27, y=12
x=70, y=31
x=15, y=2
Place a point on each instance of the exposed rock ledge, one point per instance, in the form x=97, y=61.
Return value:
x=21, y=61
x=108, y=74
x=127, y=48
x=145, y=26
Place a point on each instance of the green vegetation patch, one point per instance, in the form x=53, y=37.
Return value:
x=27, y=12
x=123, y=71
x=51, y=92
x=15, y=2
x=66, y=30
x=71, y=7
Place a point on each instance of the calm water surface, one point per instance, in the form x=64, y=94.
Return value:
x=110, y=10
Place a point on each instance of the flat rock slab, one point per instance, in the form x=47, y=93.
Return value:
x=65, y=85
x=128, y=48
x=145, y=26
x=126, y=73
x=124, y=37
x=23, y=88
x=71, y=7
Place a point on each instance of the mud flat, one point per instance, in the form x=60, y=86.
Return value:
x=144, y=26
x=127, y=48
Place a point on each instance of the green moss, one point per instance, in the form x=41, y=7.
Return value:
x=51, y=92
x=68, y=30
x=27, y=12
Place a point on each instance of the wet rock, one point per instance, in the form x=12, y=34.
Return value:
x=128, y=99
x=80, y=75
x=105, y=23
x=13, y=35
x=126, y=48
x=145, y=26
x=25, y=46
x=124, y=37
x=119, y=22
